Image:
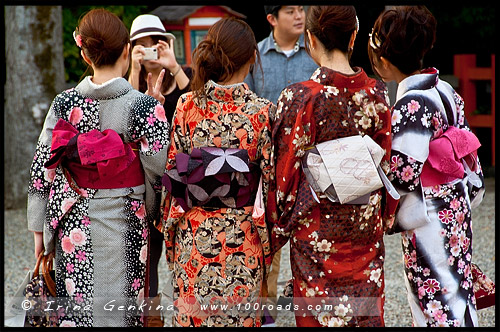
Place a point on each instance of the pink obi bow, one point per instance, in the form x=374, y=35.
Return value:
x=446, y=153
x=95, y=159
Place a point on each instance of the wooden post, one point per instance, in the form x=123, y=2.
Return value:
x=467, y=72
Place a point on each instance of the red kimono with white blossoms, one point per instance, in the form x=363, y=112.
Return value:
x=336, y=250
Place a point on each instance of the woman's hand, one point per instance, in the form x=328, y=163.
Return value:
x=154, y=90
x=166, y=55
x=137, y=57
x=38, y=243
x=136, y=60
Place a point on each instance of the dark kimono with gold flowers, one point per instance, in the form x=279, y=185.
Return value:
x=216, y=246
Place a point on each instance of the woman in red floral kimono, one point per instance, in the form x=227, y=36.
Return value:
x=216, y=243
x=336, y=250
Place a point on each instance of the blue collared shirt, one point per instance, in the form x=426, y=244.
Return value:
x=279, y=70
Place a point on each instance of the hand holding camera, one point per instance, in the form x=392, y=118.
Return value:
x=160, y=54
x=166, y=55
x=140, y=54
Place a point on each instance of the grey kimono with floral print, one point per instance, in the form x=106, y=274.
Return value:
x=99, y=235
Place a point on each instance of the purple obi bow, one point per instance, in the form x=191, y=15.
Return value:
x=446, y=153
x=214, y=178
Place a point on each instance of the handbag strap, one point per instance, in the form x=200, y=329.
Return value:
x=46, y=264
x=46, y=268
x=37, y=265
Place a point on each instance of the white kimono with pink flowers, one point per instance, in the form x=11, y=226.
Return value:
x=99, y=235
x=437, y=253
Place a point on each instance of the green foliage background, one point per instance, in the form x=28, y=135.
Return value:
x=465, y=28
x=74, y=65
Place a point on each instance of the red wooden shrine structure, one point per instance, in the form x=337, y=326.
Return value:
x=468, y=73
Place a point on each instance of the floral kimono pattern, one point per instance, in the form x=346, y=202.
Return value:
x=336, y=250
x=219, y=254
x=437, y=255
x=99, y=235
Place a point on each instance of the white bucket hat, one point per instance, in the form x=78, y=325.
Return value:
x=148, y=25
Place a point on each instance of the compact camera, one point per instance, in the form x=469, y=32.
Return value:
x=151, y=53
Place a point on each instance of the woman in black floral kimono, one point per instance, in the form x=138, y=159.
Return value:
x=435, y=168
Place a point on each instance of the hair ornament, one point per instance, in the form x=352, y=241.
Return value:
x=77, y=38
x=375, y=42
x=357, y=24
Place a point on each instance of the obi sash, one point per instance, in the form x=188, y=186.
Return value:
x=97, y=160
x=450, y=155
x=346, y=170
x=213, y=178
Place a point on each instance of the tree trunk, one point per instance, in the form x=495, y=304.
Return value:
x=34, y=75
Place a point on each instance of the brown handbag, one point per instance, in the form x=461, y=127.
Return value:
x=39, y=291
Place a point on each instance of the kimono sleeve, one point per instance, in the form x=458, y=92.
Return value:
x=265, y=148
x=291, y=135
x=413, y=126
x=41, y=178
x=265, y=165
x=171, y=211
x=149, y=127
x=375, y=108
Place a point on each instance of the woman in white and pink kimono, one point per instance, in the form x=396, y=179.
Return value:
x=435, y=169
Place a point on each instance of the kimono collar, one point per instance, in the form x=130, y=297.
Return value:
x=233, y=93
x=270, y=44
x=109, y=90
x=327, y=76
x=427, y=79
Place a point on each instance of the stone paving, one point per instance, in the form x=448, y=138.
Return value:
x=19, y=258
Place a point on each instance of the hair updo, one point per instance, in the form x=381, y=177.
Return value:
x=229, y=44
x=332, y=25
x=103, y=36
x=403, y=35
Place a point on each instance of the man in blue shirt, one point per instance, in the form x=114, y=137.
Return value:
x=283, y=55
x=284, y=62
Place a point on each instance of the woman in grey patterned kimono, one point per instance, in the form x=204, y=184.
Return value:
x=97, y=166
x=436, y=170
